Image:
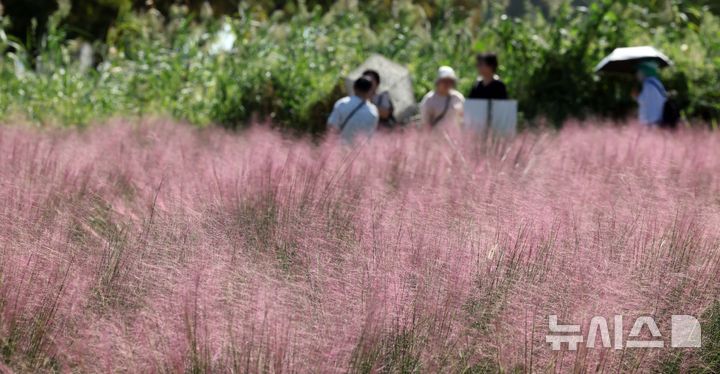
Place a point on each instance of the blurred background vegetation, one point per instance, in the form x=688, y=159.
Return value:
x=71, y=62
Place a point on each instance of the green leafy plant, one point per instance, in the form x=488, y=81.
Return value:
x=286, y=68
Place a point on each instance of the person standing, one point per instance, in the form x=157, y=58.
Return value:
x=382, y=100
x=488, y=85
x=355, y=115
x=652, y=96
x=444, y=105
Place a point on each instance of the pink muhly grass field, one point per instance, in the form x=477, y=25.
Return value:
x=162, y=248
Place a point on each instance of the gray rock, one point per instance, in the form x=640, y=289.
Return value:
x=395, y=79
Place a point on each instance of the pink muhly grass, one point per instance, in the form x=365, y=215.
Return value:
x=162, y=248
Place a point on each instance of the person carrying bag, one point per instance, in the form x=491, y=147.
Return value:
x=443, y=105
x=355, y=115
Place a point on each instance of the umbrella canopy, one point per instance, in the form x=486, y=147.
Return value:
x=625, y=60
x=395, y=79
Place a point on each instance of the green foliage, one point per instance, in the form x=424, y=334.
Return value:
x=287, y=67
x=711, y=339
x=394, y=352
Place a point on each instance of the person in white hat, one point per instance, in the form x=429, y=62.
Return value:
x=444, y=105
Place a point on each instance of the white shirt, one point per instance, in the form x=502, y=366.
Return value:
x=364, y=121
x=651, y=102
x=432, y=106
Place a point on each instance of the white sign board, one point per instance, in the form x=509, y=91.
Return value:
x=500, y=115
x=475, y=115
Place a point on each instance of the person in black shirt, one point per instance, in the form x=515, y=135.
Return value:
x=488, y=86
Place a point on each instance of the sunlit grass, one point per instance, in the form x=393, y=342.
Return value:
x=164, y=248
